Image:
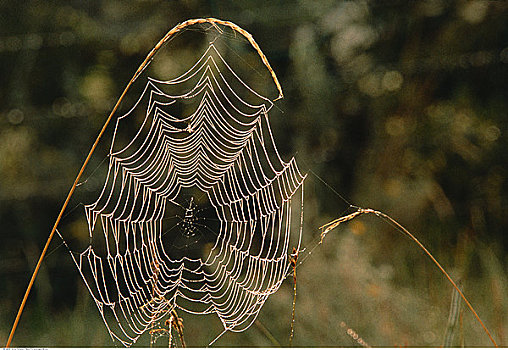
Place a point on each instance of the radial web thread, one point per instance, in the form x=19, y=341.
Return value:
x=144, y=227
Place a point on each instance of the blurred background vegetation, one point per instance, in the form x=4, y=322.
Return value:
x=397, y=105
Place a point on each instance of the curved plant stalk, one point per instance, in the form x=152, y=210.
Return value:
x=360, y=211
x=293, y=260
x=267, y=333
x=453, y=318
x=214, y=22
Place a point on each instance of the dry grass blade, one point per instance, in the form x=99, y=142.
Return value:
x=453, y=318
x=177, y=323
x=267, y=333
x=360, y=211
x=293, y=260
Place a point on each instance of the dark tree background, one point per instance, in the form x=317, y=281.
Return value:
x=397, y=105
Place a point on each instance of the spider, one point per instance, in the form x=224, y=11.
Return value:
x=189, y=221
x=193, y=228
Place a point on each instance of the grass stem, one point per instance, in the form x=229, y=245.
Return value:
x=360, y=211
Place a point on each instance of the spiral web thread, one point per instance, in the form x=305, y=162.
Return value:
x=224, y=149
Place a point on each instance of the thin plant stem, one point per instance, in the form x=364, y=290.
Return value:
x=360, y=211
x=170, y=334
x=64, y=206
x=267, y=333
x=291, y=335
x=178, y=325
x=453, y=318
x=294, y=260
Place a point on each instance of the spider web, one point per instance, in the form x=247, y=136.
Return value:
x=198, y=211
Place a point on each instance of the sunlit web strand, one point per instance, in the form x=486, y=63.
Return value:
x=225, y=149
